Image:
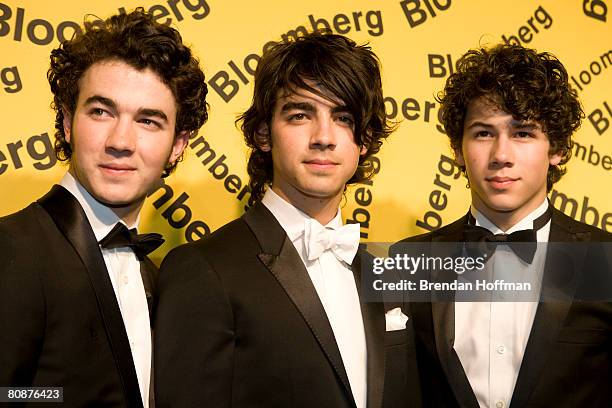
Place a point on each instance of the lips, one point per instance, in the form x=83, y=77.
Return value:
x=320, y=163
x=116, y=168
x=501, y=183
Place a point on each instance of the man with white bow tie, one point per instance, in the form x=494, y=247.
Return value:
x=266, y=312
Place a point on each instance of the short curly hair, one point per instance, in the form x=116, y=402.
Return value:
x=142, y=43
x=340, y=67
x=527, y=84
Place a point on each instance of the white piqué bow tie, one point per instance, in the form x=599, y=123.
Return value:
x=343, y=242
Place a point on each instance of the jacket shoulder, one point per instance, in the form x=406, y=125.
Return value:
x=24, y=225
x=234, y=234
x=445, y=230
x=576, y=227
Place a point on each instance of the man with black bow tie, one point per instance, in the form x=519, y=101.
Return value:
x=76, y=285
x=267, y=311
x=510, y=113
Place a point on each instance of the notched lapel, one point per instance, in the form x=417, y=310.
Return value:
x=67, y=214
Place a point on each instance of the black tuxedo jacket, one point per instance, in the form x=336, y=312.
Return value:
x=239, y=324
x=568, y=358
x=60, y=324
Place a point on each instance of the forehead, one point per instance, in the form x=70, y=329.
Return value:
x=488, y=110
x=481, y=106
x=126, y=85
x=317, y=95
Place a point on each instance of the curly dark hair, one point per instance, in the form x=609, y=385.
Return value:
x=527, y=84
x=341, y=68
x=139, y=41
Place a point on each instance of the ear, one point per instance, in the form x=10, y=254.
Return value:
x=363, y=151
x=67, y=124
x=262, y=138
x=555, y=158
x=459, y=158
x=180, y=143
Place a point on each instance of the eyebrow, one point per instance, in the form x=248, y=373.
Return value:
x=305, y=106
x=308, y=107
x=525, y=125
x=479, y=124
x=517, y=124
x=102, y=100
x=153, y=113
x=111, y=104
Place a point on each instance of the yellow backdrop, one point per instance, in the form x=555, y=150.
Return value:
x=418, y=41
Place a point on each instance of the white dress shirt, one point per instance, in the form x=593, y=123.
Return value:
x=335, y=286
x=490, y=337
x=124, y=272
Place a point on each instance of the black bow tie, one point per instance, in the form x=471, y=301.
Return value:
x=527, y=238
x=141, y=244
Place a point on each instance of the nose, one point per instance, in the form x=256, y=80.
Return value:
x=502, y=153
x=122, y=137
x=323, y=134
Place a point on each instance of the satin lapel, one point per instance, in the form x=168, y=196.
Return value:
x=443, y=315
x=373, y=315
x=69, y=217
x=281, y=258
x=547, y=322
x=148, y=273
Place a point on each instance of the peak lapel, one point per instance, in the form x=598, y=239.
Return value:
x=549, y=317
x=71, y=220
x=282, y=260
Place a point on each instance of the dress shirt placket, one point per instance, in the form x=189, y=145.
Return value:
x=341, y=303
x=135, y=313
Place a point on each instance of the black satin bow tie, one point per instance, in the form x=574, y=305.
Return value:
x=141, y=244
x=528, y=238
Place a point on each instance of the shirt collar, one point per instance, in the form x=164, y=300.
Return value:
x=291, y=218
x=525, y=223
x=101, y=218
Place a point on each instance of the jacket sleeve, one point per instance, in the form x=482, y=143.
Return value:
x=194, y=333
x=22, y=311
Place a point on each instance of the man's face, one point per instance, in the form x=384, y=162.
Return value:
x=313, y=147
x=122, y=132
x=506, y=160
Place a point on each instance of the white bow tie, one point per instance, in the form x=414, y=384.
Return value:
x=343, y=242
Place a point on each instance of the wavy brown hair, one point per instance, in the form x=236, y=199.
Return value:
x=527, y=84
x=139, y=41
x=342, y=71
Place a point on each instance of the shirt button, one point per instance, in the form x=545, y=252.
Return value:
x=501, y=350
x=124, y=279
x=499, y=404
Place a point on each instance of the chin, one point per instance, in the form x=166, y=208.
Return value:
x=116, y=200
x=322, y=193
x=504, y=205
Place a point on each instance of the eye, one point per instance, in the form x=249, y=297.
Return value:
x=483, y=133
x=97, y=112
x=297, y=116
x=347, y=119
x=523, y=135
x=149, y=122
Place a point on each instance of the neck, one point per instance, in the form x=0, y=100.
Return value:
x=506, y=219
x=321, y=209
x=129, y=213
